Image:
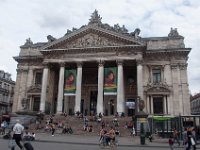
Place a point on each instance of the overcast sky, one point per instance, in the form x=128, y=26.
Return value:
x=21, y=19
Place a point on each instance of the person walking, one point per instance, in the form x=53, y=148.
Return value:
x=190, y=141
x=53, y=129
x=4, y=125
x=185, y=137
x=17, y=134
x=175, y=137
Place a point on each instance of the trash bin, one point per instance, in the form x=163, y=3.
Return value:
x=142, y=139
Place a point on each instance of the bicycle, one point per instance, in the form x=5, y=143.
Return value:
x=112, y=144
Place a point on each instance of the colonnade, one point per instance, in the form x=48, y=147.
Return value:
x=120, y=87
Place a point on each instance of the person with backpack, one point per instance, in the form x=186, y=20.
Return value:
x=17, y=134
x=4, y=125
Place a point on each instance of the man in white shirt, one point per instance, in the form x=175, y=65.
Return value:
x=17, y=134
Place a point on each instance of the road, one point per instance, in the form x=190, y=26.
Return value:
x=63, y=146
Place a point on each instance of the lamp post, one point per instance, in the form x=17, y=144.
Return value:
x=141, y=117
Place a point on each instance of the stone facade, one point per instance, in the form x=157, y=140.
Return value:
x=6, y=92
x=195, y=104
x=153, y=69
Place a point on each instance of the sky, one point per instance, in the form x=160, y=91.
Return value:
x=21, y=19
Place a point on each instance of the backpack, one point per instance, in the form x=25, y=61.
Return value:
x=171, y=142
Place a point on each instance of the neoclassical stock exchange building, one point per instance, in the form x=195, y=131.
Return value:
x=102, y=68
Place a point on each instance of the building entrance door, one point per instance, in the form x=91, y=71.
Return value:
x=130, y=104
x=93, y=102
x=112, y=107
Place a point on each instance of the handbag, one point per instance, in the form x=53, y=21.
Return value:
x=11, y=143
x=192, y=141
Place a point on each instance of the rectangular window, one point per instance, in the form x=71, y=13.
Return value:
x=158, y=105
x=36, y=104
x=38, y=78
x=156, y=75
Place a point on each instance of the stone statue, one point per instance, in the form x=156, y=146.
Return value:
x=95, y=18
x=124, y=30
x=173, y=33
x=68, y=32
x=136, y=33
x=28, y=42
x=50, y=38
x=141, y=105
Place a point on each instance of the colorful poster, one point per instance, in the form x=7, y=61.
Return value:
x=110, y=81
x=70, y=82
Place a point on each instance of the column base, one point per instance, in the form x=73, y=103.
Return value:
x=121, y=114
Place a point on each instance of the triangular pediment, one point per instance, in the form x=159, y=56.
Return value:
x=92, y=36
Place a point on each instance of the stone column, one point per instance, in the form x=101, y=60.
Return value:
x=165, y=104
x=44, y=88
x=100, y=88
x=152, y=111
x=147, y=105
x=31, y=103
x=30, y=78
x=140, y=79
x=120, y=88
x=60, y=89
x=78, y=88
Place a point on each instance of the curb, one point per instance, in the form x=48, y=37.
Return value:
x=120, y=145
x=93, y=144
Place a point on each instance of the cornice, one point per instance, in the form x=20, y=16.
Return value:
x=94, y=49
x=20, y=70
x=174, y=50
x=23, y=58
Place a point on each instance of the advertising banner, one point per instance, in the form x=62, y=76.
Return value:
x=130, y=105
x=110, y=81
x=70, y=82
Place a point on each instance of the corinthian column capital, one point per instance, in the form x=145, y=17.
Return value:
x=45, y=64
x=62, y=64
x=101, y=62
x=79, y=64
x=119, y=62
x=139, y=62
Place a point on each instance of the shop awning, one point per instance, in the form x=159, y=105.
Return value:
x=162, y=118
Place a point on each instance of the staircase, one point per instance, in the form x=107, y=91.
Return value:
x=77, y=124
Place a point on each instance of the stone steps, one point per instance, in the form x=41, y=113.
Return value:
x=77, y=124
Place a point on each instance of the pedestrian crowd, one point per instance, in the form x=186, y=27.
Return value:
x=189, y=139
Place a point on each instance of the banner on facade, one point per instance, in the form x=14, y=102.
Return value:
x=70, y=82
x=110, y=81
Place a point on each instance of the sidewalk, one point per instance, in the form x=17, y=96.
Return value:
x=93, y=140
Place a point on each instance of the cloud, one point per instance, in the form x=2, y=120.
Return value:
x=54, y=21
